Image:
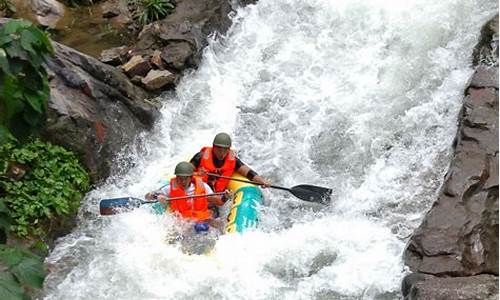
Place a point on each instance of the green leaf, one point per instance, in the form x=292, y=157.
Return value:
x=27, y=39
x=9, y=287
x=4, y=63
x=46, y=45
x=3, y=207
x=5, y=38
x=35, y=101
x=32, y=80
x=5, y=135
x=12, y=100
x=17, y=65
x=10, y=256
x=14, y=26
x=14, y=49
x=30, y=271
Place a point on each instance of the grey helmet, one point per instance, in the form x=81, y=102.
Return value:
x=222, y=140
x=184, y=169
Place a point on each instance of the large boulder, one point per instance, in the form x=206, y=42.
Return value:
x=94, y=109
x=428, y=287
x=459, y=235
x=48, y=13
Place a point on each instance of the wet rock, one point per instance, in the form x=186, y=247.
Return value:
x=117, y=11
x=137, y=65
x=176, y=55
x=157, y=61
x=320, y=261
x=48, y=12
x=94, y=109
x=486, y=50
x=247, y=2
x=156, y=79
x=136, y=79
x=485, y=77
x=427, y=287
x=113, y=56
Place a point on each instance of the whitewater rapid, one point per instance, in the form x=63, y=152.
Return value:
x=359, y=96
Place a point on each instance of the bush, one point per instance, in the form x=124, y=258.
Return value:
x=39, y=181
x=151, y=10
x=24, y=88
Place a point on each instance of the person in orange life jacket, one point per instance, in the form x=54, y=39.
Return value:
x=185, y=184
x=222, y=160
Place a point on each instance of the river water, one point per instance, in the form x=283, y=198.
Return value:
x=359, y=96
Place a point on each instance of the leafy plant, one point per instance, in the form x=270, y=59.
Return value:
x=152, y=10
x=52, y=185
x=24, y=89
x=20, y=270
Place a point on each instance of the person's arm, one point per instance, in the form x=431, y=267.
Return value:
x=160, y=194
x=195, y=160
x=217, y=200
x=244, y=170
x=212, y=199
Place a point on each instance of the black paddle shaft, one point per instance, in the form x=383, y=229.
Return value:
x=305, y=192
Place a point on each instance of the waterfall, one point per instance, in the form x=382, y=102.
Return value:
x=358, y=96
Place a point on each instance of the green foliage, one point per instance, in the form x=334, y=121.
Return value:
x=21, y=270
x=151, y=10
x=52, y=185
x=24, y=88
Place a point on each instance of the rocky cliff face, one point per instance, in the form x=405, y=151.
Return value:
x=94, y=109
x=454, y=253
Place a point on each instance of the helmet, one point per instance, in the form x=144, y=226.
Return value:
x=222, y=140
x=184, y=169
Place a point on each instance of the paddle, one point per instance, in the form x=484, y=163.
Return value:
x=305, y=192
x=114, y=205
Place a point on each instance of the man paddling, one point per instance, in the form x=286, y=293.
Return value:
x=185, y=184
x=222, y=160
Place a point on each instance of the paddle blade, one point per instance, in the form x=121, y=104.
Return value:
x=312, y=193
x=115, y=205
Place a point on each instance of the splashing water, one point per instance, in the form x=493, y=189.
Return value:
x=359, y=96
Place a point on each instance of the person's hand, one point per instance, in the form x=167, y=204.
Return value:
x=162, y=198
x=259, y=179
x=228, y=195
x=152, y=195
x=201, y=172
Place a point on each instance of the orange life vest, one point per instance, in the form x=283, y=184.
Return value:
x=227, y=169
x=191, y=208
